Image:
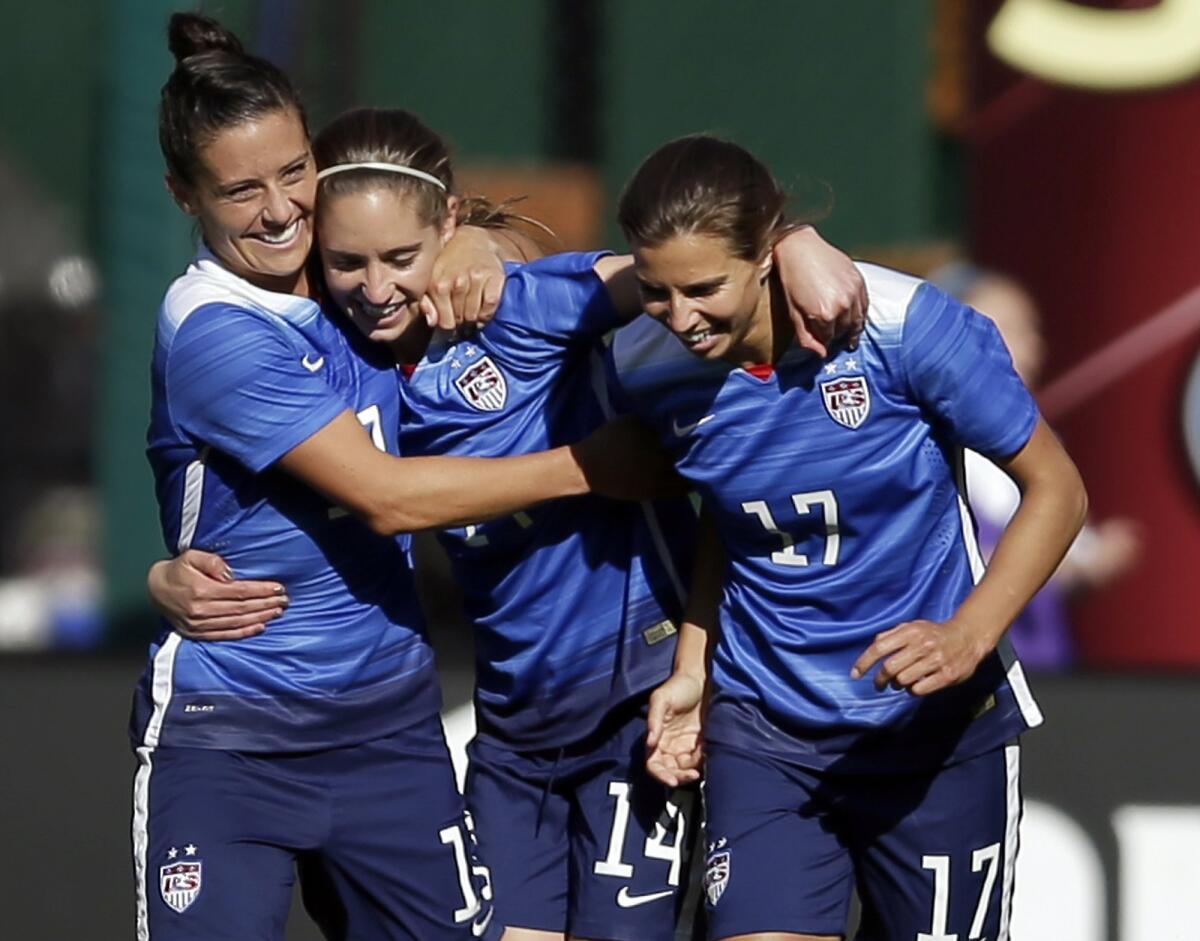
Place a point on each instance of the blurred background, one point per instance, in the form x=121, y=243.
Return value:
x=1037, y=157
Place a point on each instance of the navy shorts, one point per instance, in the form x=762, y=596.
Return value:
x=377, y=831
x=581, y=839
x=931, y=854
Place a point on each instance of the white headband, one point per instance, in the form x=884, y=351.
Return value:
x=386, y=167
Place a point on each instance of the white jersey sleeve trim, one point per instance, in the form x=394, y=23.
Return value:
x=207, y=281
x=890, y=293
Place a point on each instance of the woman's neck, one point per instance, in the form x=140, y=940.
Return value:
x=771, y=332
x=410, y=347
x=297, y=284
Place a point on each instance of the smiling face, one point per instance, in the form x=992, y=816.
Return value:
x=377, y=254
x=717, y=304
x=253, y=197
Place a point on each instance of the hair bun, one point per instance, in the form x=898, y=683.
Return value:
x=190, y=34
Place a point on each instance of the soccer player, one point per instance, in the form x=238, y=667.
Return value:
x=576, y=602
x=864, y=703
x=273, y=439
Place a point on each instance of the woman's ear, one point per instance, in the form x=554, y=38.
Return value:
x=450, y=225
x=180, y=192
x=765, y=265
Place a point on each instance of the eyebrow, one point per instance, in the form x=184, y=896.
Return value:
x=685, y=288
x=226, y=187
x=398, y=250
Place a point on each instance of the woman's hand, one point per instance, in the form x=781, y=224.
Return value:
x=467, y=281
x=674, y=747
x=198, y=595
x=923, y=656
x=826, y=293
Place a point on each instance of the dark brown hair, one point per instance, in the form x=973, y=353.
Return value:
x=400, y=138
x=392, y=136
x=707, y=185
x=215, y=85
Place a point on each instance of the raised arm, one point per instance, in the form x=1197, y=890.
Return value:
x=467, y=280
x=925, y=656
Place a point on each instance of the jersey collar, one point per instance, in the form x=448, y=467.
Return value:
x=209, y=265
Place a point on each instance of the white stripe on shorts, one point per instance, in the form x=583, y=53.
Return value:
x=1012, y=767
x=161, y=686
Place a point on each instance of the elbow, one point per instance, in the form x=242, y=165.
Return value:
x=1079, y=503
x=393, y=523
x=381, y=524
x=389, y=519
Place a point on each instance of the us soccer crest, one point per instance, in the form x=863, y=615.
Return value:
x=180, y=883
x=483, y=386
x=716, y=876
x=847, y=400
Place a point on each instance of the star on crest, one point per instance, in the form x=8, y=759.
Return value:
x=455, y=364
x=172, y=853
x=470, y=351
x=852, y=363
x=830, y=369
x=190, y=849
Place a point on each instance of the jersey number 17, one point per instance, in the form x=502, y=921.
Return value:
x=805, y=504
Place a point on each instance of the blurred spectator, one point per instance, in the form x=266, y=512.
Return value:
x=48, y=369
x=1104, y=550
x=53, y=599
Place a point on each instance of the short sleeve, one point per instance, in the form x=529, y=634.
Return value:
x=619, y=400
x=560, y=297
x=235, y=382
x=959, y=369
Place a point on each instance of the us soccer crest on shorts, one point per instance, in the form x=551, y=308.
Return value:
x=716, y=871
x=180, y=880
x=847, y=398
x=482, y=384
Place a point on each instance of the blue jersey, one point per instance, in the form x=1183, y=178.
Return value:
x=836, y=487
x=240, y=377
x=570, y=598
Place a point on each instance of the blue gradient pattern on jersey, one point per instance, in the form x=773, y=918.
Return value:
x=561, y=593
x=240, y=377
x=834, y=485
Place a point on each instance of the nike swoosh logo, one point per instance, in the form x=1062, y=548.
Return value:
x=681, y=430
x=625, y=900
x=312, y=365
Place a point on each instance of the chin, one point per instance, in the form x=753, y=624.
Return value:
x=385, y=334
